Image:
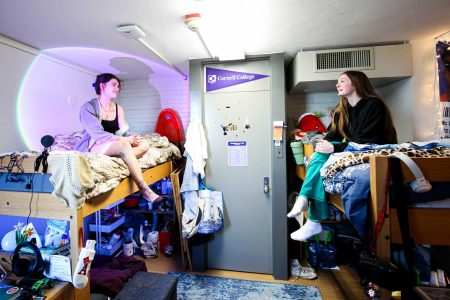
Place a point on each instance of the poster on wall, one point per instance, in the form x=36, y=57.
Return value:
x=443, y=62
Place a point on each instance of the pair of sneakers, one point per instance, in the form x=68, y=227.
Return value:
x=298, y=271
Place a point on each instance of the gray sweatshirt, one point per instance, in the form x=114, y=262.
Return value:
x=93, y=131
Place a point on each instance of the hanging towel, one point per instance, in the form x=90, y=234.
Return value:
x=196, y=147
x=196, y=154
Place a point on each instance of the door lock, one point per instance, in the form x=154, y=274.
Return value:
x=266, y=185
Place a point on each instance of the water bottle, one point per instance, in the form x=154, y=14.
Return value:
x=169, y=186
x=146, y=229
x=164, y=186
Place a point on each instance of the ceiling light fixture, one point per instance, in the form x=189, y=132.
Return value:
x=193, y=22
x=135, y=32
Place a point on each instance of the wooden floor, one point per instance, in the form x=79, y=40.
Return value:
x=333, y=284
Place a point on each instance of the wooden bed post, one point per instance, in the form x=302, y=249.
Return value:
x=185, y=254
x=76, y=244
x=378, y=177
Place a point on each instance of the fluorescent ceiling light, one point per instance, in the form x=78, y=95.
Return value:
x=135, y=32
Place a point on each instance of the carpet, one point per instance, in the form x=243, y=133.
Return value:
x=192, y=286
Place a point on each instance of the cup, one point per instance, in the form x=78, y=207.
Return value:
x=128, y=248
x=297, y=150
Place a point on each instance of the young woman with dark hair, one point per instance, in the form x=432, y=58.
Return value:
x=106, y=132
x=361, y=117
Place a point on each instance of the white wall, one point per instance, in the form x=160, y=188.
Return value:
x=14, y=65
x=425, y=96
x=398, y=97
x=143, y=100
x=298, y=104
x=414, y=102
x=142, y=103
x=38, y=96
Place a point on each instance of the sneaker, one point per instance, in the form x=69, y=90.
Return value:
x=306, y=273
x=295, y=265
x=298, y=271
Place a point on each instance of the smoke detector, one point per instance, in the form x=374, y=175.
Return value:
x=131, y=31
x=193, y=21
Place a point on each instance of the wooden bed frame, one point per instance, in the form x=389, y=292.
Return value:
x=426, y=225
x=46, y=206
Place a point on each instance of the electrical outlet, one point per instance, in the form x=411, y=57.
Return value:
x=278, y=152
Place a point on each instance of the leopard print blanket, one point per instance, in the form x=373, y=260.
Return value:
x=363, y=157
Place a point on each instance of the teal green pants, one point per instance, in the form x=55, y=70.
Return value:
x=313, y=189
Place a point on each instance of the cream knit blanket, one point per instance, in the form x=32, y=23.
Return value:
x=79, y=176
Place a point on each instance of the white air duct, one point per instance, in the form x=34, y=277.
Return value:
x=317, y=71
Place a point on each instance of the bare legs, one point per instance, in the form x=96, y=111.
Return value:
x=123, y=149
x=141, y=149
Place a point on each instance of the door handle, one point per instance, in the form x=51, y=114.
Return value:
x=266, y=185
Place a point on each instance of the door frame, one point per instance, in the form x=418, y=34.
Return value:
x=278, y=194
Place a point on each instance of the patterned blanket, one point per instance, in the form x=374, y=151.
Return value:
x=348, y=174
x=355, y=158
x=78, y=176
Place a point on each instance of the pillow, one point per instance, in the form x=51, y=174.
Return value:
x=65, y=142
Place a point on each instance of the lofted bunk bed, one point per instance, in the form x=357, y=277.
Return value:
x=82, y=183
x=428, y=212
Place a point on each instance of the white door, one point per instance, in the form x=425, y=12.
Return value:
x=238, y=128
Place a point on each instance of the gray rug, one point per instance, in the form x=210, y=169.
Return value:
x=192, y=286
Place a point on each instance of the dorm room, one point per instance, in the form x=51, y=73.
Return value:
x=175, y=56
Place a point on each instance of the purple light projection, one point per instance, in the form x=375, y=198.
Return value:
x=60, y=80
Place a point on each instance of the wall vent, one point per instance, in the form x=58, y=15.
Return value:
x=343, y=59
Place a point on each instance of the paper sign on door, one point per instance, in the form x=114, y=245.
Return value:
x=237, y=154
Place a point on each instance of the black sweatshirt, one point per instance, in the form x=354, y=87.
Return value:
x=365, y=126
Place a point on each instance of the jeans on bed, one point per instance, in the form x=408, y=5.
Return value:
x=313, y=189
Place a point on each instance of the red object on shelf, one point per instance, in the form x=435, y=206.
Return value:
x=310, y=122
x=131, y=201
x=169, y=125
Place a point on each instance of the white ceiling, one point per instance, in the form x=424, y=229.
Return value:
x=267, y=26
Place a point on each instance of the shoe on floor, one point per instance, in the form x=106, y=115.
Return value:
x=306, y=231
x=295, y=265
x=298, y=271
x=307, y=273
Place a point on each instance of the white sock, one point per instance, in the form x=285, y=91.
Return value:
x=300, y=219
x=80, y=278
x=301, y=204
x=306, y=231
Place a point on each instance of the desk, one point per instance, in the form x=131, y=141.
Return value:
x=46, y=206
x=61, y=291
